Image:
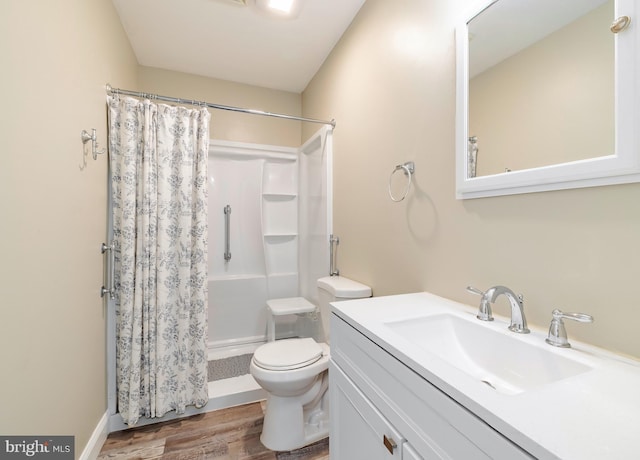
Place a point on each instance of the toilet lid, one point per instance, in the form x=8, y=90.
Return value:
x=287, y=354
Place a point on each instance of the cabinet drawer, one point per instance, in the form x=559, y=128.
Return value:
x=429, y=419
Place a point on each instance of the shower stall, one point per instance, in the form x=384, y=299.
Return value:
x=270, y=217
x=269, y=226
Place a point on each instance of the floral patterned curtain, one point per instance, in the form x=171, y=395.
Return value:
x=158, y=159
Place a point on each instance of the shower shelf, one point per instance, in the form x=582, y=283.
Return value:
x=280, y=228
x=282, y=274
x=279, y=196
x=244, y=276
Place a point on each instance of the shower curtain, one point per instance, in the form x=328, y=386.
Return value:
x=158, y=160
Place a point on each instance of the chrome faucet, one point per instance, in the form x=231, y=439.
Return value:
x=558, y=333
x=518, y=320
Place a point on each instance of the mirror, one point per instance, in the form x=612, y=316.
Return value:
x=541, y=102
x=541, y=91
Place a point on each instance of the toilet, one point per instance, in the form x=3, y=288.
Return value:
x=294, y=374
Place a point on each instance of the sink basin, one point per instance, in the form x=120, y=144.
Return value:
x=499, y=359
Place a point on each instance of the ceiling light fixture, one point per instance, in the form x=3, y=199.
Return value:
x=282, y=8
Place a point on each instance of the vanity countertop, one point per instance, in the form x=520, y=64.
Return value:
x=593, y=415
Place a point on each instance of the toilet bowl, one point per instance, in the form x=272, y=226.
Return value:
x=293, y=372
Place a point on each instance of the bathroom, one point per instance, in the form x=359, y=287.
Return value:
x=570, y=249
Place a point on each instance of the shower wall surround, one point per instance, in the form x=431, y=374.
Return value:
x=273, y=224
x=260, y=187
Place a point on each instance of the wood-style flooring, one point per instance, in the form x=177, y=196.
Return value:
x=226, y=434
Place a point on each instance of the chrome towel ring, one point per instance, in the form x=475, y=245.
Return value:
x=409, y=169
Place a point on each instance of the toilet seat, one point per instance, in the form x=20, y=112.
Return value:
x=287, y=354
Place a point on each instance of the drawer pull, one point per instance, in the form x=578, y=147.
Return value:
x=389, y=443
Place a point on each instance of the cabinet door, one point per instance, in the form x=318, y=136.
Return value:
x=358, y=431
x=409, y=453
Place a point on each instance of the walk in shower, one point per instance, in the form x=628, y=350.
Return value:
x=279, y=207
x=269, y=218
x=269, y=227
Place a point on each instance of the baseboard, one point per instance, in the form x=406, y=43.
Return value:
x=97, y=439
x=245, y=396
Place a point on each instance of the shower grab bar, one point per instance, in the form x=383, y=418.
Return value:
x=227, y=233
x=334, y=241
x=111, y=271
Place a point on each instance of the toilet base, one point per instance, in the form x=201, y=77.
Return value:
x=289, y=426
x=279, y=440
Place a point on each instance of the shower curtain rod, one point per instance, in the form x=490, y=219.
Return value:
x=177, y=100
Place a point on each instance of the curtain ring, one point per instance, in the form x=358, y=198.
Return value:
x=409, y=169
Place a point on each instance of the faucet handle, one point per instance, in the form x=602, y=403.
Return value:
x=484, y=313
x=581, y=317
x=474, y=290
x=557, y=332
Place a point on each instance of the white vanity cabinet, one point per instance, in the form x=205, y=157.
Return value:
x=377, y=401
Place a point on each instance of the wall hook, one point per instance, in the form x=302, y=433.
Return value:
x=86, y=137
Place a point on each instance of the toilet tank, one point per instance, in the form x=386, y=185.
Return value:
x=335, y=289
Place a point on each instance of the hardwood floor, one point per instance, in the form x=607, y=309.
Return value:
x=226, y=434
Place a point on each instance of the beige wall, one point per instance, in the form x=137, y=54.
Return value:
x=551, y=103
x=56, y=58
x=227, y=125
x=576, y=250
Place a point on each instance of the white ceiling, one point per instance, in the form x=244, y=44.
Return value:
x=226, y=40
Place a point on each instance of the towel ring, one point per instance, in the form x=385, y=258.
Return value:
x=409, y=168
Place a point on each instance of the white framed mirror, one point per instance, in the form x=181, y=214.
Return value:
x=579, y=127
